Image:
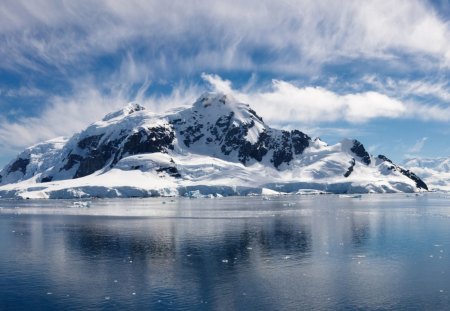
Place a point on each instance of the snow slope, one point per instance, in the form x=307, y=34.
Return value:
x=218, y=146
x=434, y=171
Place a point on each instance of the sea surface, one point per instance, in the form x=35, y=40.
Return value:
x=322, y=252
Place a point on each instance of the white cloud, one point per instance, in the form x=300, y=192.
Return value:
x=287, y=103
x=418, y=146
x=219, y=85
x=436, y=88
x=295, y=35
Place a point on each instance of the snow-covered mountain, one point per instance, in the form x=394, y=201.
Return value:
x=218, y=146
x=435, y=171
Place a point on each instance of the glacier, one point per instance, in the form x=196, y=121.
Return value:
x=216, y=147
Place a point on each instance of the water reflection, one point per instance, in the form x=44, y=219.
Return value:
x=293, y=253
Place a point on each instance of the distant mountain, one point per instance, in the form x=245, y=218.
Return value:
x=218, y=146
x=435, y=171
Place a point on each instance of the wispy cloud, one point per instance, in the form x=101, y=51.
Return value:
x=433, y=88
x=286, y=103
x=418, y=146
x=287, y=36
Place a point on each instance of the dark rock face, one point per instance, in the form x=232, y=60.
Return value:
x=231, y=137
x=19, y=165
x=350, y=169
x=300, y=141
x=218, y=130
x=419, y=182
x=170, y=170
x=282, y=149
x=359, y=150
x=192, y=134
x=46, y=179
x=99, y=154
x=72, y=159
x=151, y=140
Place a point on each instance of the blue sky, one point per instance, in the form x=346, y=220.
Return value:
x=375, y=70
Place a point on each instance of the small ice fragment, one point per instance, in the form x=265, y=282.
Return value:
x=441, y=290
x=287, y=257
x=224, y=260
x=431, y=256
x=115, y=281
x=441, y=251
x=107, y=297
x=133, y=293
x=49, y=293
x=131, y=261
x=359, y=262
x=249, y=248
x=189, y=255
x=328, y=253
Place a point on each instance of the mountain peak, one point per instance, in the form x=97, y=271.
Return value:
x=128, y=109
x=212, y=99
x=217, y=143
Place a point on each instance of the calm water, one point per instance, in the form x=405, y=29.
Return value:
x=289, y=253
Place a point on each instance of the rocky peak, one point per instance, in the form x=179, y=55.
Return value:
x=356, y=148
x=213, y=105
x=127, y=110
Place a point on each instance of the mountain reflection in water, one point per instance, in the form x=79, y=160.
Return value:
x=379, y=252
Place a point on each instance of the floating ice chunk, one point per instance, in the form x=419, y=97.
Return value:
x=224, y=260
x=351, y=196
x=289, y=204
x=84, y=204
x=310, y=192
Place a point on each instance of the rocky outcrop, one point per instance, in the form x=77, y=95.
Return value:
x=419, y=182
x=350, y=168
x=359, y=150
